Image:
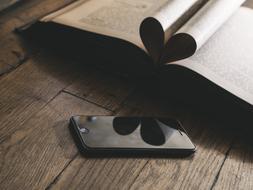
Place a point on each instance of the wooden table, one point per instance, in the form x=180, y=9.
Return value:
x=38, y=94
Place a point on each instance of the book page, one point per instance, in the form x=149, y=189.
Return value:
x=196, y=31
x=227, y=57
x=122, y=19
x=156, y=29
x=209, y=19
x=116, y=18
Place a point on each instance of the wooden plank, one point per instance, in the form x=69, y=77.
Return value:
x=198, y=171
x=102, y=89
x=42, y=147
x=249, y=3
x=27, y=12
x=7, y=3
x=24, y=92
x=13, y=53
x=29, y=88
x=236, y=172
x=113, y=173
x=102, y=173
x=14, y=50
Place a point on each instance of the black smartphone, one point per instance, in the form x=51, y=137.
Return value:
x=130, y=136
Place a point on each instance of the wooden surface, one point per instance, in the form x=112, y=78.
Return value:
x=4, y=4
x=39, y=91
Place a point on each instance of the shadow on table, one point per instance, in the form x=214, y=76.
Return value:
x=220, y=125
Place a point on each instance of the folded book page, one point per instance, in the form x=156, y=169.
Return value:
x=226, y=58
x=150, y=24
x=195, y=32
x=155, y=30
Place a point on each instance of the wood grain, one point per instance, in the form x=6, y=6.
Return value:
x=13, y=53
x=39, y=150
x=102, y=89
x=197, y=171
x=27, y=12
x=7, y=3
x=248, y=3
x=38, y=97
x=28, y=89
x=14, y=50
x=32, y=85
x=213, y=138
x=100, y=174
x=236, y=172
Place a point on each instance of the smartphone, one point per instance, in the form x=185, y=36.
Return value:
x=130, y=136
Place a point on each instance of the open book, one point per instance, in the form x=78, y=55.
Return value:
x=212, y=38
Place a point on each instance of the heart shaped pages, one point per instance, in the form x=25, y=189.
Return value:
x=168, y=40
x=178, y=46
